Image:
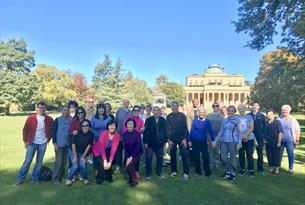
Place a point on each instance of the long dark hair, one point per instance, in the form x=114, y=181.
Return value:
x=100, y=105
x=82, y=109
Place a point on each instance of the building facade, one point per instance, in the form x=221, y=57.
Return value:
x=214, y=85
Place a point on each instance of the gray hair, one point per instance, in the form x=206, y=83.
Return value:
x=286, y=107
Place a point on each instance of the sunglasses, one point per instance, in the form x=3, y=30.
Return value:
x=215, y=105
x=85, y=126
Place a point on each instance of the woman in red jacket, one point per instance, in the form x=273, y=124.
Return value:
x=104, y=152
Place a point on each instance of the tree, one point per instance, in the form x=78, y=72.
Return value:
x=80, y=87
x=173, y=91
x=56, y=86
x=280, y=80
x=108, y=82
x=161, y=80
x=137, y=91
x=17, y=84
x=262, y=18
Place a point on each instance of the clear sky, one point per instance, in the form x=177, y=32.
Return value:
x=176, y=38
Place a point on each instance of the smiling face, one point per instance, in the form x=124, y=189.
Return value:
x=65, y=111
x=112, y=128
x=201, y=113
x=216, y=107
x=136, y=111
x=231, y=111
x=255, y=107
x=90, y=103
x=41, y=109
x=125, y=104
x=80, y=114
x=175, y=107
x=156, y=111
x=101, y=111
x=242, y=109
x=270, y=115
x=130, y=126
x=85, y=127
x=108, y=108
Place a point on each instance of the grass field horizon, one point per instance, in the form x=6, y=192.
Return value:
x=269, y=189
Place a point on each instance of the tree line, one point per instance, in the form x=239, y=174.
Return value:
x=23, y=83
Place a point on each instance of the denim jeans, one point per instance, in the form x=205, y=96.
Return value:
x=290, y=152
x=78, y=165
x=30, y=152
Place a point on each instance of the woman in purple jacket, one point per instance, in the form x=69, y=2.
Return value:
x=133, y=150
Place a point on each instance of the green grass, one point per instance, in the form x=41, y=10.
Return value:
x=283, y=189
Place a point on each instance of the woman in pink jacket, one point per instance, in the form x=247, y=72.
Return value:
x=104, y=152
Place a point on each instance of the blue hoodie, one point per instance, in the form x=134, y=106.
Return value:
x=200, y=129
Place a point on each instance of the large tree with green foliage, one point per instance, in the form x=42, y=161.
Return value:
x=280, y=81
x=108, y=82
x=173, y=91
x=137, y=91
x=56, y=86
x=17, y=84
x=262, y=19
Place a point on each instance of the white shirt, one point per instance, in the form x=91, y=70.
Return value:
x=40, y=134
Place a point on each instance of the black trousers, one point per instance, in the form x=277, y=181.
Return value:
x=273, y=156
x=246, y=149
x=149, y=158
x=119, y=155
x=201, y=147
x=183, y=152
x=260, y=156
x=103, y=174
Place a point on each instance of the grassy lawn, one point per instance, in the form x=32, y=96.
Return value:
x=283, y=189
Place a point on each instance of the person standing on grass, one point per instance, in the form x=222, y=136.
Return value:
x=291, y=135
x=230, y=136
x=215, y=119
x=133, y=150
x=61, y=144
x=274, y=134
x=198, y=140
x=104, y=152
x=121, y=115
x=108, y=110
x=81, y=146
x=139, y=127
x=72, y=106
x=191, y=114
x=37, y=132
x=177, y=134
x=247, y=142
x=259, y=133
x=154, y=139
x=90, y=110
x=99, y=121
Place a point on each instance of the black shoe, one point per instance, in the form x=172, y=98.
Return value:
x=133, y=184
x=250, y=174
x=232, y=177
x=242, y=172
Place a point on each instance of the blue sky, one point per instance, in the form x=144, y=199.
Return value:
x=176, y=38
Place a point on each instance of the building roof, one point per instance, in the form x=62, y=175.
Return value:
x=214, y=68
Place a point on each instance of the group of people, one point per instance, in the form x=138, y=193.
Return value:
x=93, y=135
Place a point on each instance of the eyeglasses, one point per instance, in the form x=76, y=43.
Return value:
x=215, y=105
x=85, y=126
x=90, y=101
x=80, y=112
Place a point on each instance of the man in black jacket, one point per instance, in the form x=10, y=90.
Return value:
x=154, y=138
x=177, y=134
x=259, y=133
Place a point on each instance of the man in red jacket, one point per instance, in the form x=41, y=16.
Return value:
x=37, y=132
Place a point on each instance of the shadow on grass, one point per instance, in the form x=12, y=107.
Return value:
x=283, y=189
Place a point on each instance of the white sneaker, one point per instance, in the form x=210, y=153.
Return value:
x=173, y=174
x=86, y=182
x=185, y=177
x=68, y=182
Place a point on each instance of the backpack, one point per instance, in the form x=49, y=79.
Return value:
x=45, y=174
